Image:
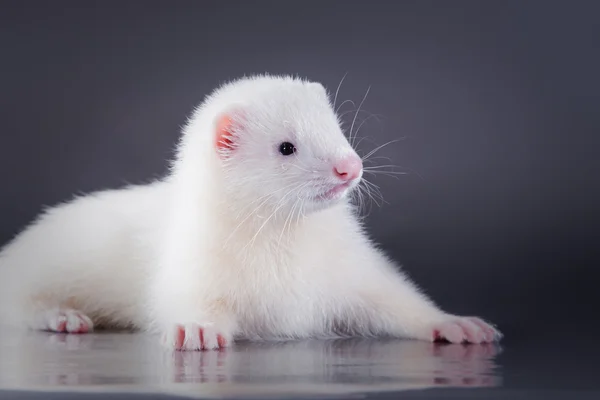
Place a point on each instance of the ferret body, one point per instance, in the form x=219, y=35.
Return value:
x=251, y=236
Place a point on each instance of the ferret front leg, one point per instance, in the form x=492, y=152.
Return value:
x=188, y=312
x=390, y=304
x=187, y=305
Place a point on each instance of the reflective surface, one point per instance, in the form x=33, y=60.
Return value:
x=36, y=365
x=134, y=362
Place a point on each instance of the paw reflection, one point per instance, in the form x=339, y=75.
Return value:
x=308, y=367
x=69, y=342
x=466, y=365
x=200, y=366
x=366, y=363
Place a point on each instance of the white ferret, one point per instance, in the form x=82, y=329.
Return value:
x=252, y=235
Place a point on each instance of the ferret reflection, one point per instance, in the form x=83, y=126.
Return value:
x=310, y=366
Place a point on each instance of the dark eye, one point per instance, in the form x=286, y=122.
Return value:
x=286, y=148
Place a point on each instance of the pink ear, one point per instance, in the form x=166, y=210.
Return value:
x=224, y=135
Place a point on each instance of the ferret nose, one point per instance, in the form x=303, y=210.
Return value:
x=348, y=168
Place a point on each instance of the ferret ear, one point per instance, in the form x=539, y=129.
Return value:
x=224, y=134
x=227, y=127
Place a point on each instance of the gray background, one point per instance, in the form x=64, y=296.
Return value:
x=497, y=102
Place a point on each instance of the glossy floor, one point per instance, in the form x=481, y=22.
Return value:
x=116, y=363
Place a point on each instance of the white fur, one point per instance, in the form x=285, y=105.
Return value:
x=235, y=242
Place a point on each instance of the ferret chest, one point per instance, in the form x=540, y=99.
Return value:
x=274, y=299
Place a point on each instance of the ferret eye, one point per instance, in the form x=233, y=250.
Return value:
x=287, y=148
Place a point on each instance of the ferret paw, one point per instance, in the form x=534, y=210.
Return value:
x=64, y=321
x=194, y=337
x=465, y=330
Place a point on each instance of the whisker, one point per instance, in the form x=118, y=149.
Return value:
x=369, y=154
x=386, y=172
x=361, y=139
x=251, y=241
x=245, y=219
x=265, y=198
x=300, y=212
x=344, y=102
x=362, y=123
x=376, y=189
x=366, y=206
x=357, y=111
x=338, y=89
x=286, y=220
x=303, y=169
x=360, y=198
x=291, y=213
x=374, y=170
x=360, y=111
x=382, y=166
x=268, y=194
x=278, y=206
x=391, y=175
x=372, y=159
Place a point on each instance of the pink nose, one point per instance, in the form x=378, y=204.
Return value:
x=348, y=168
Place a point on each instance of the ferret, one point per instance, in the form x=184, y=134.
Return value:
x=252, y=234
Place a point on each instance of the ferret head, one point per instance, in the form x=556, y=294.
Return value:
x=280, y=144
